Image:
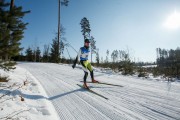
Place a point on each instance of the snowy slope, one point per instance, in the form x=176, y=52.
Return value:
x=138, y=100
x=35, y=104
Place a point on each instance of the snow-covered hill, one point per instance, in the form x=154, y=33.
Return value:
x=138, y=99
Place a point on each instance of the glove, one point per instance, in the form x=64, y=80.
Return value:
x=73, y=66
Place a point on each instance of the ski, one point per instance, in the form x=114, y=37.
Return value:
x=93, y=92
x=104, y=83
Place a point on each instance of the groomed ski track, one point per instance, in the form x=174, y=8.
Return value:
x=138, y=100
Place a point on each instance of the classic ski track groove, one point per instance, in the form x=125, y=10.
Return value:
x=128, y=102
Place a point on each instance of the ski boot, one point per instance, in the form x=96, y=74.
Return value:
x=85, y=86
x=94, y=81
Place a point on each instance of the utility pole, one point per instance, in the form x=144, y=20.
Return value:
x=12, y=5
x=65, y=3
x=59, y=30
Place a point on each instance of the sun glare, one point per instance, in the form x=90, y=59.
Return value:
x=173, y=21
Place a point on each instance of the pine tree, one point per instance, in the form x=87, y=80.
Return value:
x=4, y=31
x=93, y=47
x=29, y=54
x=38, y=54
x=55, y=47
x=54, y=55
x=46, y=53
x=107, y=56
x=65, y=2
x=114, y=56
x=93, y=44
x=13, y=31
x=168, y=62
x=85, y=26
x=102, y=61
x=97, y=57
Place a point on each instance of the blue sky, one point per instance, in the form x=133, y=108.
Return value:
x=137, y=25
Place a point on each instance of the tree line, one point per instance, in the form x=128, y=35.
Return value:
x=168, y=62
x=48, y=54
x=118, y=61
x=12, y=30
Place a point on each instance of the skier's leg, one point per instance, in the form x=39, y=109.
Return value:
x=84, y=67
x=89, y=67
x=85, y=76
x=92, y=74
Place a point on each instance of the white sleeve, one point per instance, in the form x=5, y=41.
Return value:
x=79, y=54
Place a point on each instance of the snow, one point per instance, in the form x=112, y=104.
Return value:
x=35, y=98
x=138, y=99
x=149, y=66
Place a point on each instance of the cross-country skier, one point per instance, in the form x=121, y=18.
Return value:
x=86, y=65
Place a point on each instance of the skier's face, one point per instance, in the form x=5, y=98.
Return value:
x=86, y=44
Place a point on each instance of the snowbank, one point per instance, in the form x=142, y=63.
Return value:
x=25, y=99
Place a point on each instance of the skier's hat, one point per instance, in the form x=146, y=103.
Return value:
x=86, y=41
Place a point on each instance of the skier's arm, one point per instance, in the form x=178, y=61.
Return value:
x=77, y=59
